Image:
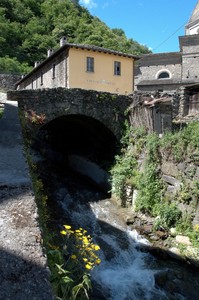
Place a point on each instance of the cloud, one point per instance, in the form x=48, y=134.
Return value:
x=105, y=5
x=88, y=3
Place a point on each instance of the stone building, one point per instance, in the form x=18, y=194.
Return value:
x=83, y=66
x=172, y=80
x=166, y=72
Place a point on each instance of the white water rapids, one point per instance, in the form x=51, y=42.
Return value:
x=125, y=273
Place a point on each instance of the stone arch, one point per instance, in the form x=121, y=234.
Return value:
x=163, y=74
x=77, y=134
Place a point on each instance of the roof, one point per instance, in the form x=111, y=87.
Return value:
x=78, y=46
x=159, y=82
x=195, y=14
x=160, y=59
x=101, y=49
x=189, y=40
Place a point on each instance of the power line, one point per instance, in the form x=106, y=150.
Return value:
x=169, y=37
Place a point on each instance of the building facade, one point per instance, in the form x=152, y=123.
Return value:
x=83, y=66
x=166, y=72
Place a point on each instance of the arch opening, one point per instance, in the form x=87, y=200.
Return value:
x=83, y=139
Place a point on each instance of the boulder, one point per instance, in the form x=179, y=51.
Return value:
x=171, y=180
x=169, y=168
x=181, y=239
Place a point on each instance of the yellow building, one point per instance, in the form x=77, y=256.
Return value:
x=83, y=66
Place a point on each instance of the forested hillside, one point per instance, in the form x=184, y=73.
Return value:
x=29, y=27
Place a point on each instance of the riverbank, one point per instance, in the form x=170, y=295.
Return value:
x=162, y=243
x=23, y=266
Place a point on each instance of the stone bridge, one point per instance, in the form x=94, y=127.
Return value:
x=73, y=121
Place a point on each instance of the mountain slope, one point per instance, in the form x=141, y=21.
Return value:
x=29, y=27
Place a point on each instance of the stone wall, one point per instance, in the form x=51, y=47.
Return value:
x=179, y=178
x=109, y=109
x=51, y=75
x=8, y=81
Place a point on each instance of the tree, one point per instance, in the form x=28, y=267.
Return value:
x=29, y=27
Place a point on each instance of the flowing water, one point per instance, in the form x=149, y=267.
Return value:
x=125, y=273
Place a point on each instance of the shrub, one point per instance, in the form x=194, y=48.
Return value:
x=150, y=189
x=169, y=215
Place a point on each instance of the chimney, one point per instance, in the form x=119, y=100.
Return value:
x=36, y=63
x=50, y=52
x=63, y=41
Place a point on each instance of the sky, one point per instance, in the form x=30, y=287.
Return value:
x=156, y=24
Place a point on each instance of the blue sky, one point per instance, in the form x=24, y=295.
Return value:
x=154, y=23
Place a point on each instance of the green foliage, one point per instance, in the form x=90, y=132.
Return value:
x=71, y=264
x=150, y=185
x=13, y=65
x=185, y=227
x=29, y=27
x=168, y=214
x=182, y=144
x=150, y=189
x=152, y=148
x=177, y=146
x=123, y=172
x=185, y=224
x=189, y=191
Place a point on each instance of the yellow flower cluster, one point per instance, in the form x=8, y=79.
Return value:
x=81, y=246
x=196, y=227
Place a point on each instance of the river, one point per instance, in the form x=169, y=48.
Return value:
x=126, y=272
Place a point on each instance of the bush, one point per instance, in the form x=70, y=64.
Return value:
x=150, y=189
x=169, y=215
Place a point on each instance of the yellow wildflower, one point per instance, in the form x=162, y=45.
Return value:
x=96, y=247
x=85, y=259
x=78, y=233
x=63, y=232
x=67, y=227
x=87, y=266
x=196, y=227
x=98, y=261
x=85, y=240
x=73, y=256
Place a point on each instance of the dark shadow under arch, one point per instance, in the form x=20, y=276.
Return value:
x=80, y=135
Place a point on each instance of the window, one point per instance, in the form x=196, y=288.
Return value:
x=90, y=64
x=53, y=71
x=163, y=75
x=117, y=68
